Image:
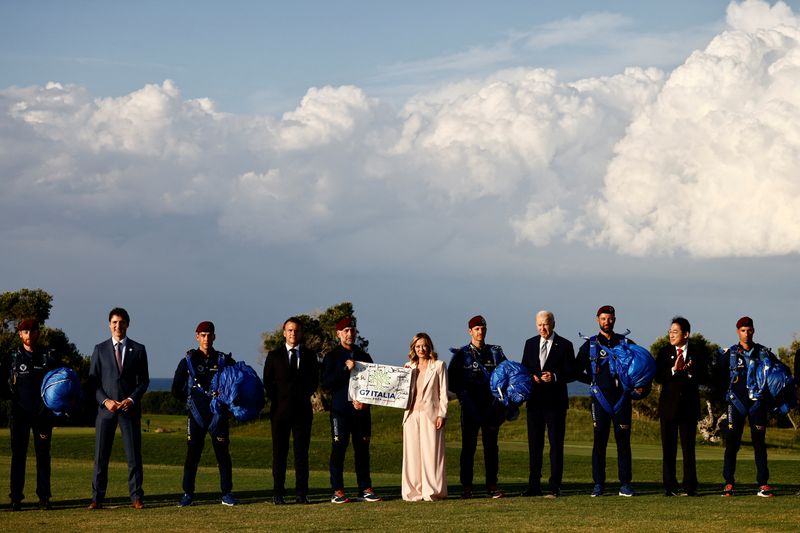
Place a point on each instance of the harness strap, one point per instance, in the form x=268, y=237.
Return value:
x=594, y=388
x=195, y=384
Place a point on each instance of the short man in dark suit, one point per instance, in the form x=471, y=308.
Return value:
x=192, y=384
x=680, y=367
x=349, y=418
x=550, y=359
x=119, y=371
x=291, y=377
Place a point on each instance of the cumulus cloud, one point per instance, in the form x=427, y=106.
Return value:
x=710, y=167
x=701, y=160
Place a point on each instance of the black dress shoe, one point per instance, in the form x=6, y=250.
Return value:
x=44, y=504
x=16, y=505
x=302, y=500
x=529, y=492
x=278, y=500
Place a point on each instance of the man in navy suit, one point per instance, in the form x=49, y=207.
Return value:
x=550, y=359
x=291, y=377
x=119, y=371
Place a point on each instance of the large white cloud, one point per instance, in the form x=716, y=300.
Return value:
x=712, y=166
x=701, y=160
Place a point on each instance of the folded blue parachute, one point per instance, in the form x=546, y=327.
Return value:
x=511, y=383
x=237, y=389
x=61, y=391
x=634, y=366
x=774, y=377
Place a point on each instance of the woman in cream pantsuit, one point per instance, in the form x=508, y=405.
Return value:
x=424, y=470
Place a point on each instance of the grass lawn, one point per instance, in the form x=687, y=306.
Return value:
x=251, y=449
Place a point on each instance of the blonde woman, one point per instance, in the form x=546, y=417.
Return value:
x=424, y=471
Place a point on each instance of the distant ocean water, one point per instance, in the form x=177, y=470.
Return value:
x=165, y=384
x=162, y=384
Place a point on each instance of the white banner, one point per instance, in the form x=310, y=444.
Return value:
x=380, y=384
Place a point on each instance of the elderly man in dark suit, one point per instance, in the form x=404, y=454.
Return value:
x=550, y=359
x=119, y=371
x=291, y=376
x=681, y=366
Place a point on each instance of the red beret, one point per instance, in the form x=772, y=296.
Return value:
x=346, y=322
x=28, y=324
x=745, y=321
x=477, y=320
x=607, y=310
x=205, y=327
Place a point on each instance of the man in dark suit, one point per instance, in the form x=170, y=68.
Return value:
x=550, y=359
x=291, y=377
x=680, y=367
x=119, y=371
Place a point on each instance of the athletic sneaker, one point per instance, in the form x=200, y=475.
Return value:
x=339, y=497
x=368, y=495
x=495, y=493
x=728, y=490
x=765, y=491
x=229, y=500
x=626, y=490
x=597, y=490
x=186, y=501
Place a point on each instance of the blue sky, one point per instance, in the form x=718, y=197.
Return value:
x=263, y=56
x=427, y=161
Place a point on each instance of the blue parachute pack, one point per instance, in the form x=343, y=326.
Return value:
x=234, y=388
x=630, y=363
x=768, y=379
x=61, y=391
x=511, y=383
x=238, y=390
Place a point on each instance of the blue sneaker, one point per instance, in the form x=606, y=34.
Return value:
x=597, y=490
x=229, y=500
x=186, y=501
x=626, y=490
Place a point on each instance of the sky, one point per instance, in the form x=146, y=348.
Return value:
x=196, y=161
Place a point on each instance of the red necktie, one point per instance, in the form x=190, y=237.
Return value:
x=680, y=364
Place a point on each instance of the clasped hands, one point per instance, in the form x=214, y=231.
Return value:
x=113, y=405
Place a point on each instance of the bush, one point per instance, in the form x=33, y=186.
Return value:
x=162, y=403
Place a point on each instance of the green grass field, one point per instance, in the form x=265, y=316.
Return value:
x=251, y=449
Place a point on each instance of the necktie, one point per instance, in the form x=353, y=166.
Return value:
x=293, y=360
x=118, y=355
x=679, y=363
x=543, y=355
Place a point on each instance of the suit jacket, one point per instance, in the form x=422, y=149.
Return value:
x=433, y=397
x=290, y=392
x=131, y=383
x=561, y=362
x=680, y=394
